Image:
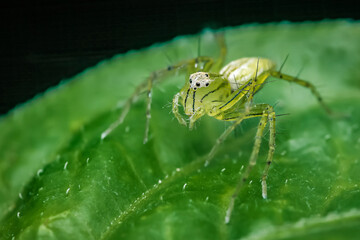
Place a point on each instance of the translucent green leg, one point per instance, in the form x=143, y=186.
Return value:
x=223, y=51
x=175, y=109
x=268, y=111
x=148, y=106
x=271, y=119
x=198, y=114
x=143, y=87
x=222, y=138
x=251, y=92
x=267, y=114
x=125, y=111
x=304, y=84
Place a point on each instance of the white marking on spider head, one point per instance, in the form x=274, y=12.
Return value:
x=199, y=80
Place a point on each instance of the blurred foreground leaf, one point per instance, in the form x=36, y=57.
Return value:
x=58, y=180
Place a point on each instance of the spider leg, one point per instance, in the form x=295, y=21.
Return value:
x=146, y=86
x=222, y=138
x=271, y=120
x=251, y=92
x=267, y=114
x=198, y=114
x=304, y=84
x=175, y=109
x=148, y=106
x=219, y=62
x=125, y=111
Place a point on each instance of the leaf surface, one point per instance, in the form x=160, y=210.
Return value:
x=59, y=180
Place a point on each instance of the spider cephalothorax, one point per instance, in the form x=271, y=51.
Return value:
x=203, y=92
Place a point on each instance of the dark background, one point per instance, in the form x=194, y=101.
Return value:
x=44, y=42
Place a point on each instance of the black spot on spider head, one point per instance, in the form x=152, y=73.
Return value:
x=198, y=84
x=206, y=75
x=207, y=84
x=190, y=80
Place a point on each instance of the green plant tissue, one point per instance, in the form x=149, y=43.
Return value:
x=59, y=180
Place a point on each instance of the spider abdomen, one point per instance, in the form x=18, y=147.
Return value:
x=239, y=72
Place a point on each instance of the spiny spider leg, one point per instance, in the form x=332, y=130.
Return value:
x=222, y=138
x=175, y=109
x=251, y=93
x=303, y=83
x=125, y=111
x=267, y=115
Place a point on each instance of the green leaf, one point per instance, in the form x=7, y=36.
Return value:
x=59, y=180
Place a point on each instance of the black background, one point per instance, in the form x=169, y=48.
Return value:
x=44, y=42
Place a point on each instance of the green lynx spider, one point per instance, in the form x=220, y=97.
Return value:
x=225, y=94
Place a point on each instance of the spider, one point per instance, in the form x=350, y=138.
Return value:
x=223, y=93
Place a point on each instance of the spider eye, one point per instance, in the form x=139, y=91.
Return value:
x=198, y=84
x=190, y=80
x=206, y=75
x=207, y=84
